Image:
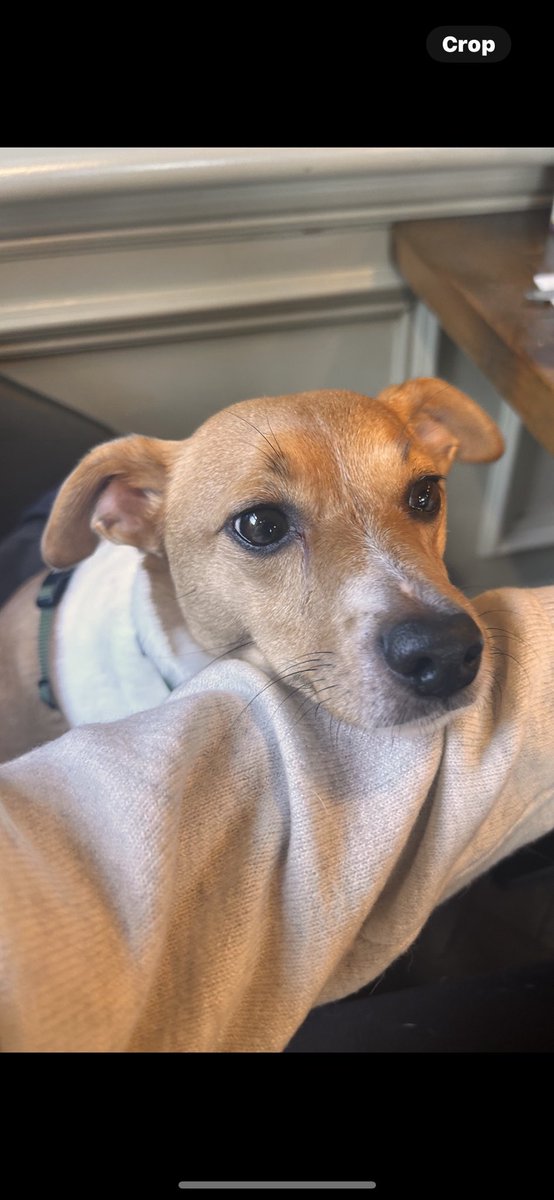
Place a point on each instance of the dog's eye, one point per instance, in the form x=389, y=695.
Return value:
x=425, y=495
x=262, y=526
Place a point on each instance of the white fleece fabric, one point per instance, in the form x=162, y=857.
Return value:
x=197, y=877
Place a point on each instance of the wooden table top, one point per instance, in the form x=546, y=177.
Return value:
x=473, y=272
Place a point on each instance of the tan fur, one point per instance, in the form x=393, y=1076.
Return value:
x=342, y=462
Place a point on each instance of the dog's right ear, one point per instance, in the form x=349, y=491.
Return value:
x=116, y=492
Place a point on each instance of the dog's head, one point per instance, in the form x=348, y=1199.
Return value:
x=312, y=528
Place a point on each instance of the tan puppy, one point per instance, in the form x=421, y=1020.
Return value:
x=304, y=533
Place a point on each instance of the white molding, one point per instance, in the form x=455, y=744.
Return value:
x=117, y=297
x=104, y=247
x=110, y=333
x=209, y=192
x=515, y=195
x=47, y=170
x=120, y=299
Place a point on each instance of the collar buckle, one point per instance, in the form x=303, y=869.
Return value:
x=52, y=588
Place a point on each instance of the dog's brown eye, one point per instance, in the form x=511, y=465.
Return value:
x=425, y=495
x=262, y=526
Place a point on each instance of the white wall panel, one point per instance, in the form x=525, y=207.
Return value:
x=168, y=390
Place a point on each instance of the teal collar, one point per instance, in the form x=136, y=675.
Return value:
x=51, y=591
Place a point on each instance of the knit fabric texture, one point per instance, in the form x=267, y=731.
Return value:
x=197, y=877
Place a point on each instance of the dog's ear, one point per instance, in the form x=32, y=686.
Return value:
x=445, y=420
x=116, y=492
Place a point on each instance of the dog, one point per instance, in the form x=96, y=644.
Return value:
x=304, y=534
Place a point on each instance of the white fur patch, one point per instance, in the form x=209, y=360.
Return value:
x=102, y=670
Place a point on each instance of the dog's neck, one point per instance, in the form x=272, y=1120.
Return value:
x=120, y=642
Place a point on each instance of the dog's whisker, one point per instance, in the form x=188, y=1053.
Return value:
x=505, y=653
x=309, y=704
x=281, y=678
x=497, y=697
x=328, y=688
x=293, y=695
x=317, y=692
x=271, y=683
x=306, y=702
x=292, y=692
x=305, y=705
x=312, y=657
x=208, y=649
x=277, y=456
x=490, y=610
x=232, y=650
x=278, y=447
x=498, y=629
x=304, y=670
x=502, y=629
x=298, y=671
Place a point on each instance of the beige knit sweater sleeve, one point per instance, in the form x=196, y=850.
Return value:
x=199, y=876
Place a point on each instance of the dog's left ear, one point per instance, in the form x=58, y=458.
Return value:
x=445, y=420
x=116, y=492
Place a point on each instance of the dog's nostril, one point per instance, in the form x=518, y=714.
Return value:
x=473, y=653
x=423, y=667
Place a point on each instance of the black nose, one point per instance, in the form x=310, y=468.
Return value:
x=435, y=655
